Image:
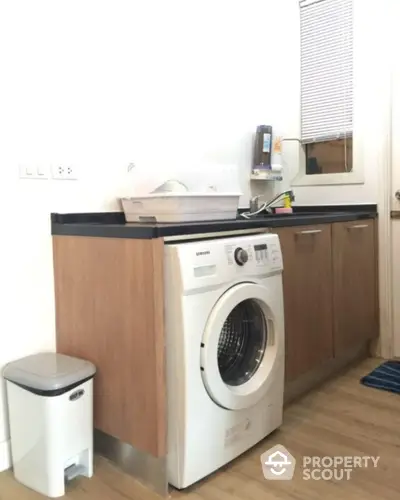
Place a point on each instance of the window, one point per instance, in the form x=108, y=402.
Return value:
x=329, y=157
x=327, y=85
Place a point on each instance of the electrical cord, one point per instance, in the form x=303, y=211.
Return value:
x=249, y=215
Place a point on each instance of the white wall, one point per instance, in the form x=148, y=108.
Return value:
x=100, y=84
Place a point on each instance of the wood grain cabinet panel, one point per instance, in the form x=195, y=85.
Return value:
x=109, y=310
x=354, y=283
x=307, y=281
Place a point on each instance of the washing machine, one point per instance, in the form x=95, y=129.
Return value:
x=225, y=350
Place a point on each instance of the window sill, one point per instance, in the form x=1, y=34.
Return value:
x=328, y=179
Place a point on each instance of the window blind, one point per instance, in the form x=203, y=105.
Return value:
x=326, y=69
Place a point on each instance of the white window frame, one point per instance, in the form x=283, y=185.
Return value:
x=360, y=70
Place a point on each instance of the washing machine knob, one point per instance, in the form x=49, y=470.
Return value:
x=241, y=256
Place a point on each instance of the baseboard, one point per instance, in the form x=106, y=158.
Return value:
x=149, y=470
x=5, y=455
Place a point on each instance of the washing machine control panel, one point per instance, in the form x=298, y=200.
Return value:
x=255, y=254
x=209, y=263
x=258, y=255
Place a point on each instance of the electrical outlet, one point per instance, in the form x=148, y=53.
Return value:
x=64, y=172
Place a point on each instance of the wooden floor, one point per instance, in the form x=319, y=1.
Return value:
x=340, y=418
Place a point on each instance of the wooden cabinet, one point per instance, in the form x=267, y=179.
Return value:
x=109, y=310
x=330, y=282
x=307, y=281
x=355, y=300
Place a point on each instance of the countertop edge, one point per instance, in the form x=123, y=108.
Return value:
x=150, y=232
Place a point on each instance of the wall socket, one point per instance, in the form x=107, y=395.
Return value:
x=64, y=173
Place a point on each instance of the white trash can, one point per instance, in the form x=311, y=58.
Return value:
x=50, y=404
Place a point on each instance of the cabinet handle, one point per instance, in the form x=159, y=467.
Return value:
x=310, y=231
x=357, y=226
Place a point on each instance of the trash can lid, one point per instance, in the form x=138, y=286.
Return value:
x=48, y=371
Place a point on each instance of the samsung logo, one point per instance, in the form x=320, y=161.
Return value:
x=206, y=252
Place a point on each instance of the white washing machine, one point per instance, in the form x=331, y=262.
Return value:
x=225, y=350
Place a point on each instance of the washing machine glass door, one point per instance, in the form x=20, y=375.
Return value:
x=240, y=348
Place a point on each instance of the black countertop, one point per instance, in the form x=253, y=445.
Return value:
x=113, y=225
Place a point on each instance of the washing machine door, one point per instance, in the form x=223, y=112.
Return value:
x=240, y=348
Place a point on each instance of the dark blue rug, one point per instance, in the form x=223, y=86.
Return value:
x=386, y=377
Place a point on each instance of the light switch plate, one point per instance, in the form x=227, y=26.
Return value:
x=42, y=172
x=33, y=172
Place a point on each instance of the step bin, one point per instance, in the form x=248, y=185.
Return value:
x=50, y=404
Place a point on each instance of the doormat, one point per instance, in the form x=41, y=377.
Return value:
x=386, y=377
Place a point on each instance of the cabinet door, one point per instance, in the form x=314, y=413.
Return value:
x=307, y=281
x=354, y=283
